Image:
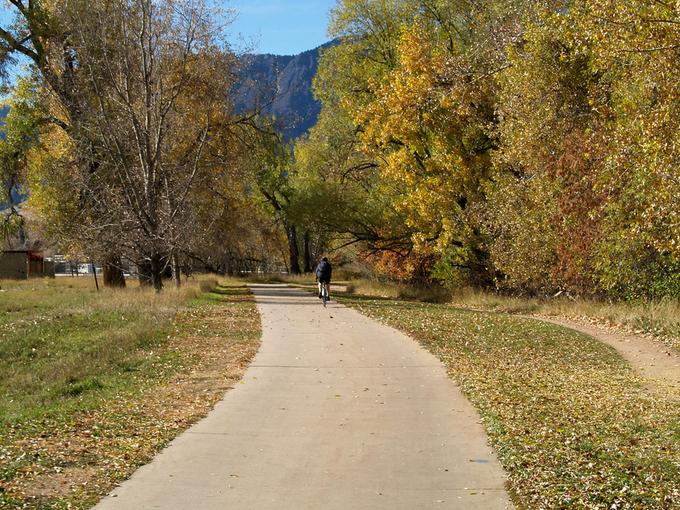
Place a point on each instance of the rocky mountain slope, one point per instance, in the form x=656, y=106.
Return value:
x=281, y=85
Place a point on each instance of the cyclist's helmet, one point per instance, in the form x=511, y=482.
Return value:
x=325, y=259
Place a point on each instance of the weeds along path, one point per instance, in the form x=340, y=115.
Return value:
x=336, y=411
x=660, y=365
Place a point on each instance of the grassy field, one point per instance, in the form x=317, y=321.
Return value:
x=93, y=384
x=572, y=424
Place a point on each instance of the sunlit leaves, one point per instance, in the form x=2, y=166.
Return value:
x=542, y=135
x=590, y=107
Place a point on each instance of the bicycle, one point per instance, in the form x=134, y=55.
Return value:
x=324, y=293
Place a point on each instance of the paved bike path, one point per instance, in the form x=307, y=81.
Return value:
x=337, y=411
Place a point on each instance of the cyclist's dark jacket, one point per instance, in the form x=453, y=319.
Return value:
x=324, y=271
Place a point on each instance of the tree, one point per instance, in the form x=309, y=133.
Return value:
x=41, y=33
x=272, y=170
x=154, y=83
x=543, y=200
x=339, y=194
x=20, y=134
x=532, y=145
x=589, y=116
x=425, y=111
x=636, y=46
x=160, y=81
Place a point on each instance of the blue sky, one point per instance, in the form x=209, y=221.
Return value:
x=283, y=27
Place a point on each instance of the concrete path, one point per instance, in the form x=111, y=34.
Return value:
x=336, y=412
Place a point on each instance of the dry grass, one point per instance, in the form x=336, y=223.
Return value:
x=303, y=281
x=393, y=290
x=291, y=279
x=659, y=319
x=23, y=297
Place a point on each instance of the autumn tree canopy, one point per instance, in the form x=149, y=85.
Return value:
x=530, y=146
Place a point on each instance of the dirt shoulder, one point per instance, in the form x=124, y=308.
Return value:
x=653, y=360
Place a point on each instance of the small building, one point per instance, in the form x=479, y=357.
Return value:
x=24, y=264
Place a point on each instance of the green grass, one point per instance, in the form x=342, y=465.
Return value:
x=93, y=384
x=571, y=423
x=63, y=344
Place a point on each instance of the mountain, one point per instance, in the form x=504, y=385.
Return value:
x=281, y=85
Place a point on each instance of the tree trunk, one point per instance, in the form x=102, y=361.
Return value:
x=94, y=271
x=307, y=254
x=113, y=272
x=293, y=250
x=157, y=272
x=22, y=233
x=144, y=272
x=176, y=270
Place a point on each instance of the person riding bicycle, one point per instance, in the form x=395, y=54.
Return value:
x=323, y=275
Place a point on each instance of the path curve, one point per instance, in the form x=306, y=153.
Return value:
x=655, y=362
x=337, y=411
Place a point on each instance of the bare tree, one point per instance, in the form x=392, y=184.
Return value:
x=160, y=79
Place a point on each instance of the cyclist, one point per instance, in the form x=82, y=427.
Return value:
x=323, y=274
